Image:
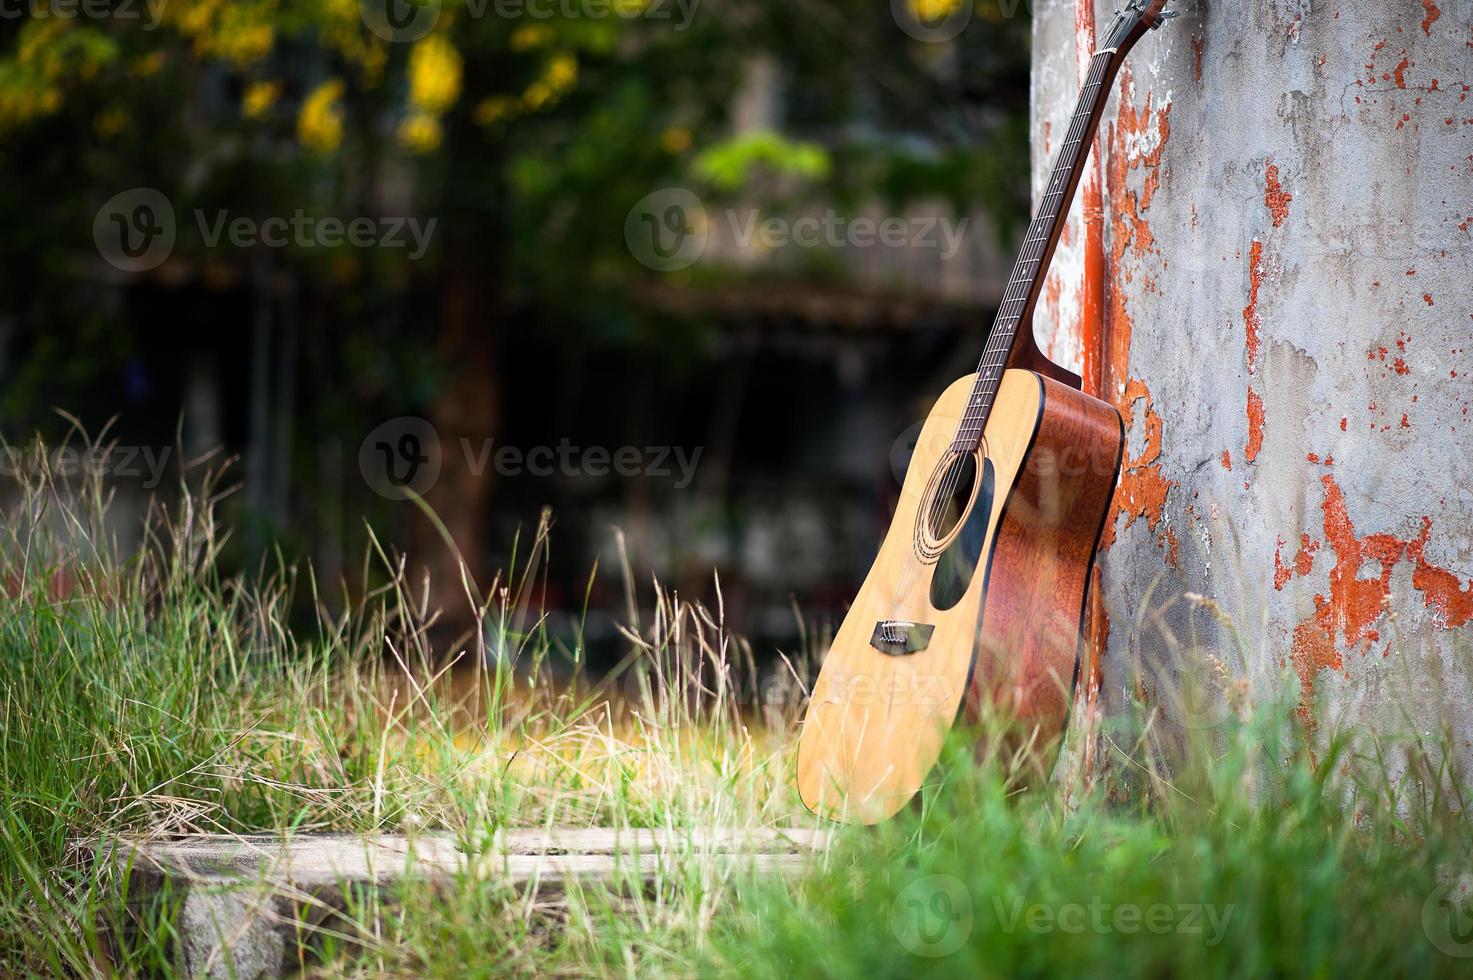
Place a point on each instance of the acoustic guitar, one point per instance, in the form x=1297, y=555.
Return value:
x=974, y=608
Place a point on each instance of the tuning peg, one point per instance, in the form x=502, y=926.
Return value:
x=1163, y=17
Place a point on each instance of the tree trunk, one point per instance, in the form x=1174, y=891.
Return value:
x=1287, y=243
x=465, y=414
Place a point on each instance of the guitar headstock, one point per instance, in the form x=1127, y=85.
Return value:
x=1135, y=19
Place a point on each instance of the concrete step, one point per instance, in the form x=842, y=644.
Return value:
x=247, y=906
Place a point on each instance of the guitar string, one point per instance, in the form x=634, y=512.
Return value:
x=1025, y=275
x=1019, y=289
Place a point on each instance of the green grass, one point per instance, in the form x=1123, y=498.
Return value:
x=142, y=694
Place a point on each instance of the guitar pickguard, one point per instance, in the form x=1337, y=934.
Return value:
x=957, y=564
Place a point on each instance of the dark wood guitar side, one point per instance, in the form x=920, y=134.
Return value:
x=1037, y=589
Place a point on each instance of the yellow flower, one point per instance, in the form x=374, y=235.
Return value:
x=110, y=123
x=244, y=44
x=320, y=123
x=420, y=133
x=493, y=109
x=259, y=96
x=930, y=11
x=536, y=96
x=562, y=72
x=560, y=75
x=530, y=36
x=434, y=74
x=676, y=139
x=195, y=18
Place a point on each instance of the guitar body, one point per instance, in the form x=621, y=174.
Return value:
x=970, y=607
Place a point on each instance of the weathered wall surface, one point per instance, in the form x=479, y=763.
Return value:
x=1278, y=295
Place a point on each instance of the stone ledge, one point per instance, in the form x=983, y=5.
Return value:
x=246, y=904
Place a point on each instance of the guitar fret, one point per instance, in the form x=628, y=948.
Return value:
x=1023, y=283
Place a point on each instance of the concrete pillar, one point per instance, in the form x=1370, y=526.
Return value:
x=1277, y=293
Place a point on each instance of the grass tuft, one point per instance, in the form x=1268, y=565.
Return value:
x=143, y=694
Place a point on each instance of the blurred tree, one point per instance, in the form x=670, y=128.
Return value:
x=526, y=128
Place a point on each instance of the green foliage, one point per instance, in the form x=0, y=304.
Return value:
x=1318, y=869
x=733, y=163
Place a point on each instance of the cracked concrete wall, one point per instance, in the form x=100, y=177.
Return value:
x=1281, y=307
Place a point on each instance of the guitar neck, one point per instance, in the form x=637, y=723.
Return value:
x=1026, y=282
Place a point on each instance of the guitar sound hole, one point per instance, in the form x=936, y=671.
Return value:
x=953, y=494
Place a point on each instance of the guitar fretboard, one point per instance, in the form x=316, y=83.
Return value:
x=1021, y=294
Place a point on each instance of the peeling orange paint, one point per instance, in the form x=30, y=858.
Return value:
x=1251, y=320
x=1136, y=140
x=1255, y=426
x=1282, y=573
x=1091, y=323
x=1143, y=488
x=1227, y=460
x=1311, y=651
x=1433, y=12
x=1173, y=547
x=1440, y=588
x=1400, y=73
x=1091, y=334
x=1354, y=605
x=1275, y=198
x=1304, y=558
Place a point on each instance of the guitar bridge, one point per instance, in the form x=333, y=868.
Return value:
x=899, y=638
